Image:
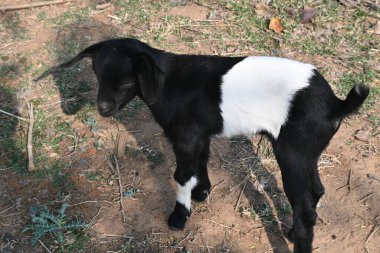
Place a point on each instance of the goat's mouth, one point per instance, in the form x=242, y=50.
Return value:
x=111, y=111
x=107, y=109
x=107, y=113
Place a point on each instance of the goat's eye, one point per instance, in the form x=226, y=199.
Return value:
x=126, y=85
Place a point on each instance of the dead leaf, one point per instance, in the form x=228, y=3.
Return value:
x=275, y=25
x=307, y=14
x=363, y=135
x=377, y=27
x=371, y=21
x=90, y=152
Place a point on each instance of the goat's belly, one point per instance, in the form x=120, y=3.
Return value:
x=257, y=94
x=249, y=117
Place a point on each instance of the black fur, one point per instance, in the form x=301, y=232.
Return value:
x=184, y=95
x=179, y=216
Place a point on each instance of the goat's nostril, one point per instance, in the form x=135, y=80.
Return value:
x=105, y=106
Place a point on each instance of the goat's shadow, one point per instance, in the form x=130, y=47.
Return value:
x=12, y=155
x=77, y=88
x=267, y=200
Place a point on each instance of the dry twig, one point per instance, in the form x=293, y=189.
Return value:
x=9, y=208
x=213, y=188
x=117, y=169
x=365, y=198
x=219, y=153
x=184, y=238
x=31, y=166
x=258, y=145
x=366, y=249
x=122, y=142
x=373, y=231
x=12, y=115
x=348, y=185
x=32, y=5
x=91, y=201
x=241, y=193
x=97, y=214
x=220, y=224
x=374, y=177
x=116, y=235
x=43, y=245
x=205, y=245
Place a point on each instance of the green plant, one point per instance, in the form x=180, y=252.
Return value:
x=8, y=71
x=12, y=26
x=44, y=224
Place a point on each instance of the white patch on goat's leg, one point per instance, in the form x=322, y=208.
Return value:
x=184, y=192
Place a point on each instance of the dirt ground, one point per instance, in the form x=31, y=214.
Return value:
x=247, y=210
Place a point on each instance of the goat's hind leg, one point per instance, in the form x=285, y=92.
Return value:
x=297, y=176
x=317, y=188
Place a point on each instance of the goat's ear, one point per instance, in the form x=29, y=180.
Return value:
x=150, y=77
x=88, y=52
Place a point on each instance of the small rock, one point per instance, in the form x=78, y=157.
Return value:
x=103, y=6
x=292, y=13
x=7, y=237
x=377, y=28
x=53, y=155
x=371, y=21
x=307, y=14
x=175, y=2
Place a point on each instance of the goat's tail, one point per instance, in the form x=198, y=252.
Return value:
x=353, y=101
x=88, y=52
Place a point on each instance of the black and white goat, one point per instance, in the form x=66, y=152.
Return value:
x=195, y=97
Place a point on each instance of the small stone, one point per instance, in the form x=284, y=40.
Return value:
x=292, y=13
x=53, y=155
x=377, y=28
x=103, y=6
x=371, y=21
x=7, y=237
x=307, y=14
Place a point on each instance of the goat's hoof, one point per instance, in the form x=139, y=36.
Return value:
x=290, y=235
x=177, y=221
x=200, y=195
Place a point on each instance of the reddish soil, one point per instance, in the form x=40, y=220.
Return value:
x=226, y=221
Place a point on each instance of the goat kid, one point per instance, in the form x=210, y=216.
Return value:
x=195, y=97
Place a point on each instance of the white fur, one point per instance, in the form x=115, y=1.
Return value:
x=256, y=94
x=184, y=192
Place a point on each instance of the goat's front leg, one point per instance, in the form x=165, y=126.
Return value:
x=187, y=155
x=202, y=189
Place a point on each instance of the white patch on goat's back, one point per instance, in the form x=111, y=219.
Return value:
x=256, y=94
x=184, y=192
